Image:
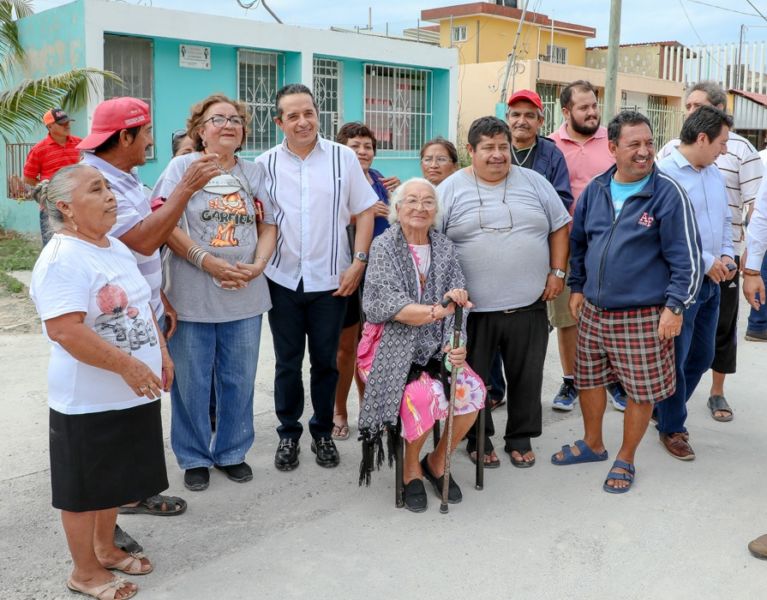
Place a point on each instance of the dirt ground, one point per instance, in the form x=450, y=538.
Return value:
x=17, y=313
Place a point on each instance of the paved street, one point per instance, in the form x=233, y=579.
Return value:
x=546, y=532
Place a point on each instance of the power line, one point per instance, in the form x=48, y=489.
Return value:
x=724, y=8
x=761, y=14
x=695, y=31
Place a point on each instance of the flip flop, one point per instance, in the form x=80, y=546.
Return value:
x=173, y=505
x=719, y=403
x=615, y=476
x=106, y=591
x=493, y=464
x=132, y=565
x=587, y=455
x=521, y=463
x=340, y=432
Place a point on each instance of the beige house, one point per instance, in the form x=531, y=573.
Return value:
x=549, y=55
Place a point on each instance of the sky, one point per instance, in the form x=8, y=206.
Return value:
x=690, y=22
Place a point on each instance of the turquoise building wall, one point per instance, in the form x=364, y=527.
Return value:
x=54, y=42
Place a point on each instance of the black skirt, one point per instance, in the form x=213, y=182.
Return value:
x=106, y=459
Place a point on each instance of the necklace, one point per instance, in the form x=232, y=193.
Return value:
x=476, y=183
x=81, y=236
x=529, y=153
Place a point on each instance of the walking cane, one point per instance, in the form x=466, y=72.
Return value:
x=456, y=342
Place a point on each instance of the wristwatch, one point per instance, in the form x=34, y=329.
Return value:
x=361, y=256
x=677, y=310
x=558, y=273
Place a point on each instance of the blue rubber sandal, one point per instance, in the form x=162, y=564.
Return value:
x=587, y=455
x=619, y=464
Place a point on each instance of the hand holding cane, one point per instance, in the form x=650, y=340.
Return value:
x=456, y=342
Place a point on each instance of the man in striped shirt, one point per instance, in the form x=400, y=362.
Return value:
x=57, y=150
x=742, y=171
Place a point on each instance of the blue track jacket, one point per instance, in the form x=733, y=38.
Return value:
x=649, y=256
x=550, y=162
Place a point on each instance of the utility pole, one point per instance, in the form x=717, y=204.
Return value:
x=611, y=79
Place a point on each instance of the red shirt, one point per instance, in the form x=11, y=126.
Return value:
x=584, y=161
x=47, y=156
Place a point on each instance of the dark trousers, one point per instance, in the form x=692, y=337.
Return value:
x=694, y=351
x=726, y=347
x=521, y=337
x=757, y=319
x=295, y=317
x=497, y=387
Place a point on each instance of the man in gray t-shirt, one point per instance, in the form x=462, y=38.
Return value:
x=510, y=230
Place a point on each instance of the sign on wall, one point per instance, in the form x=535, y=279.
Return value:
x=193, y=57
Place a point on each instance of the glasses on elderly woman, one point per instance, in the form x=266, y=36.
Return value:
x=440, y=160
x=425, y=204
x=221, y=120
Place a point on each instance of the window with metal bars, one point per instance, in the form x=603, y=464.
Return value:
x=398, y=107
x=131, y=58
x=259, y=76
x=328, y=95
x=557, y=54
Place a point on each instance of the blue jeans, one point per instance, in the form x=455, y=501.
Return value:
x=694, y=353
x=757, y=319
x=297, y=317
x=226, y=354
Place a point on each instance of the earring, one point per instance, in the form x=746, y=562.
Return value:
x=204, y=144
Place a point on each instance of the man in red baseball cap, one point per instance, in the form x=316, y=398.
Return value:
x=57, y=150
x=120, y=135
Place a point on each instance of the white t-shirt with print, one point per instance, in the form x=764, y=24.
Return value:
x=74, y=276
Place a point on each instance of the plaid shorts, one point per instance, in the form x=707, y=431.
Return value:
x=623, y=346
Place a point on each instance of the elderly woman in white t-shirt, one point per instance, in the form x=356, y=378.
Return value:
x=214, y=279
x=108, y=367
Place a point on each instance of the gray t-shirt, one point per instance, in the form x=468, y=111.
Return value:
x=221, y=218
x=503, y=246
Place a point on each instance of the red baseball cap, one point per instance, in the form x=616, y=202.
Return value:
x=528, y=95
x=115, y=115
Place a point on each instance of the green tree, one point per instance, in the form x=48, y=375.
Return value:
x=22, y=100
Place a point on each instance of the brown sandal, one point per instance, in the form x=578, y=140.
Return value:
x=132, y=565
x=106, y=591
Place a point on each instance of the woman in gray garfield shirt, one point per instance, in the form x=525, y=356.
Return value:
x=214, y=278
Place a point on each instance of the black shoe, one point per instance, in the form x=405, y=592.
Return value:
x=415, y=496
x=454, y=494
x=286, y=457
x=126, y=542
x=239, y=473
x=197, y=479
x=325, y=449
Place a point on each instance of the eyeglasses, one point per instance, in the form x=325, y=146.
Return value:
x=495, y=214
x=220, y=120
x=440, y=160
x=415, y=203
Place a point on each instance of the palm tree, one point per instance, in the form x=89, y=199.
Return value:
x=23, y=100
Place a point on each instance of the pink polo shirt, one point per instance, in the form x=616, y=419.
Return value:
x=584, y=161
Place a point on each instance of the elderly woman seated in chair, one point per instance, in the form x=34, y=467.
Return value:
x=404, y=355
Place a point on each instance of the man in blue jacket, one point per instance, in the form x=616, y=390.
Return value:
x=635, y=267
x=692, y=165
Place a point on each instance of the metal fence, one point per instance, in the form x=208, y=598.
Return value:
x=666, y=122
x=15, y=157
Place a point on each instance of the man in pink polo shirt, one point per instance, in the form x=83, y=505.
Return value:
x=584, y=143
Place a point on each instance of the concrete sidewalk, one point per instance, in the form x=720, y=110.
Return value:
x=546, y=532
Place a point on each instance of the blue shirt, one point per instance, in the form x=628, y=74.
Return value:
x=621, y=191
x=380, y=224
x=708, y=195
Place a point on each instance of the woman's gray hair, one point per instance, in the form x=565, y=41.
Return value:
x=57, y=189
x=399, y=195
